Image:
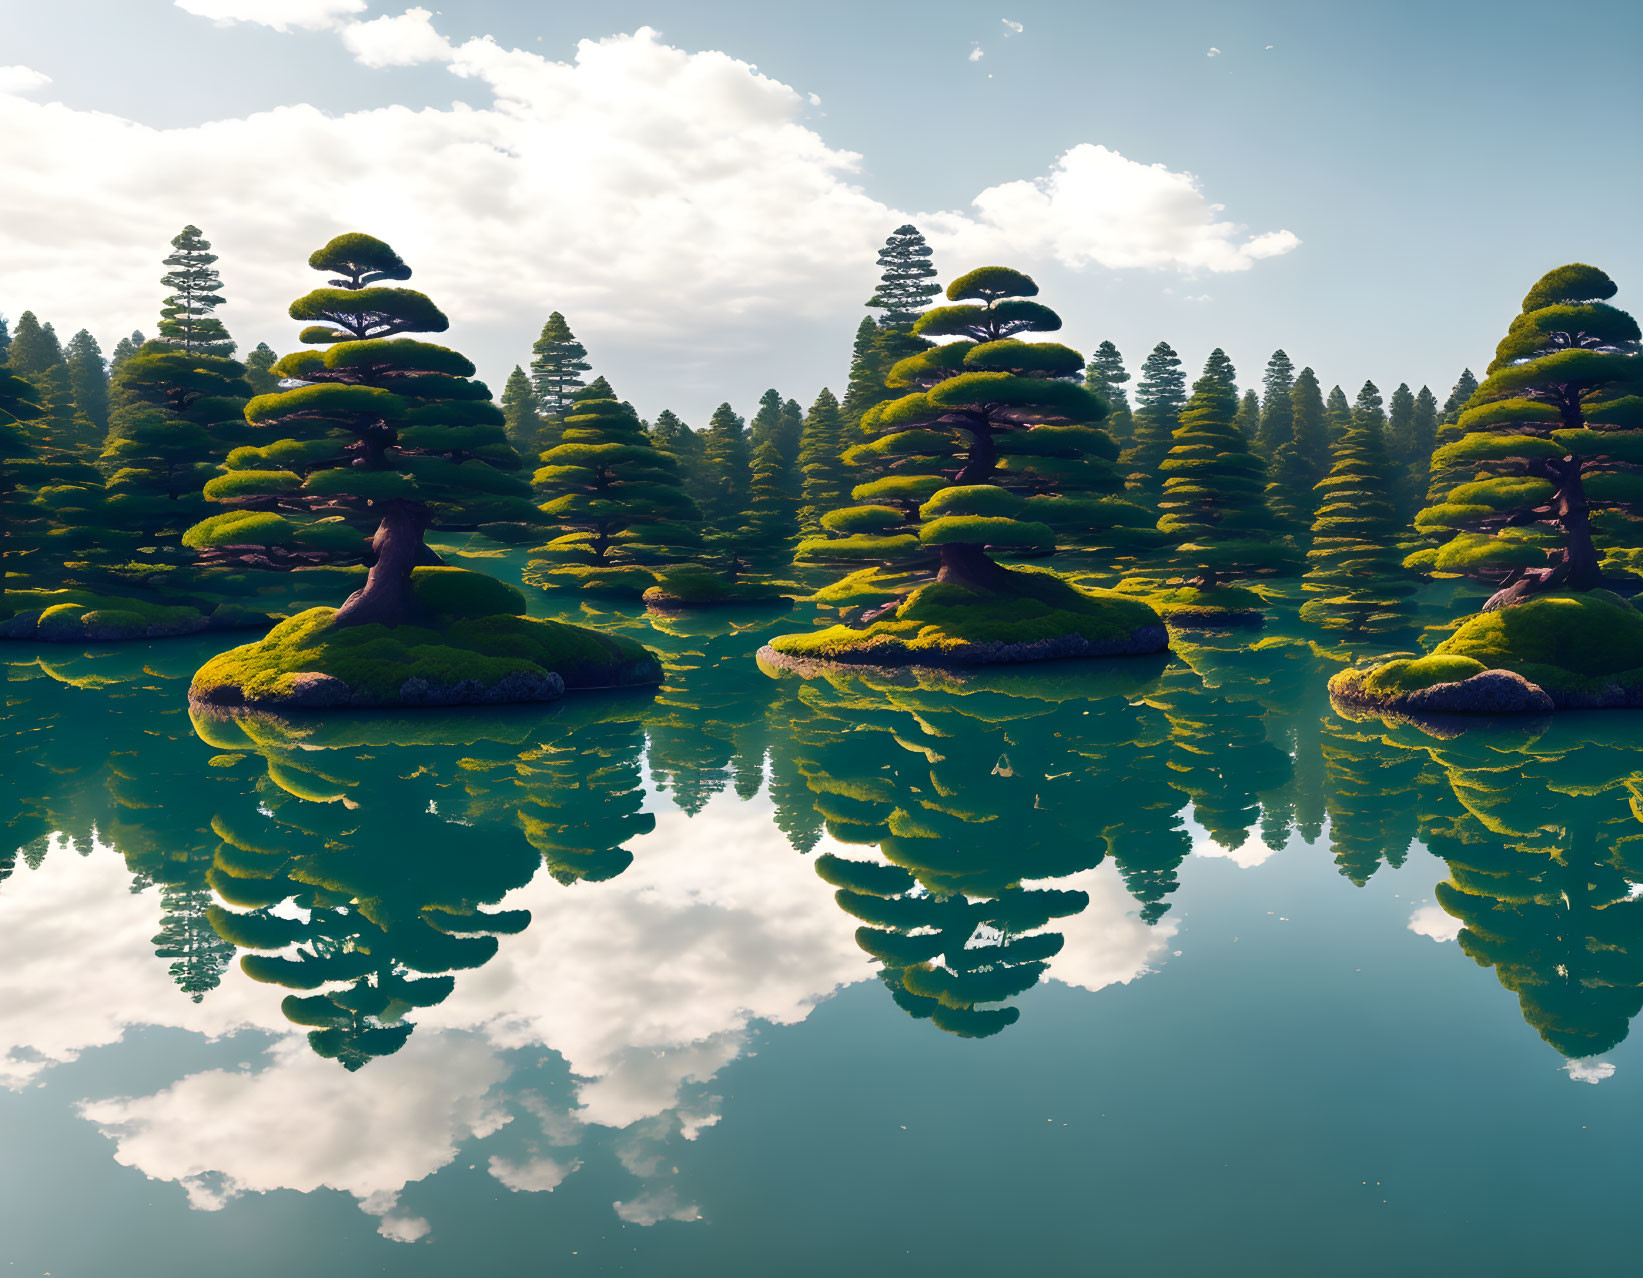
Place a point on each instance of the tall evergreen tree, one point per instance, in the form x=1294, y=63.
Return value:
x=772, y=524
x=1465, y=387
x=1354, y=567
x=383, y=432
x=558, y=361
x=1555, y=432
x=1367, y=411
x=1400, y=422
x=766, y=422
x=1249, y=417
x=1105, y=374
x=88, y=379
x=616, y=498
x=727, y=460
x=1277, y=405
x=187, y=320
x=866, y=383
x=1213, y=503
x=1160, y=396
x=826, y=483
x=124, y=349
x=905, y=287
x=258, y=370
x=1337, y=416
x=5, y=340
x=34, y=347
x=521, y=418
x=1310, y=419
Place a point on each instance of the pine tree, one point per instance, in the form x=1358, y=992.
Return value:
x=124, y=349
x=34, y=347
x=727, y=461
x=1555, y=432
x=5, y=340
x=1337, y=416
x=772, y=525
x=1248, y=419
x=187, y=320
x=1465, y=387
x=1310, y=418
x=866, y=384
x=1354, y=566
x=383, y=432
x=88, y=380
x=904, y=283
x=1159, y=395
x=558, y=361
x=1105, y=375
x=258, y=366
x=1214, y=505
x=766, y=422
x=1277, y=406
x=1367, y=413
x=1400, y=423
x=521, y=418
x=1441, y=478
x=616, y=498
x=821, y=460
x=789, y=433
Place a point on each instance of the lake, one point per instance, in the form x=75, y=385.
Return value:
x=1135, y=966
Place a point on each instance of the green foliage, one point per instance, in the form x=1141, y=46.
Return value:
x=186, y=319
x=1159, y=397
x=1354, y=568
x=825, y=484
x=521, y=414
x=904, y=284
x=558, y=362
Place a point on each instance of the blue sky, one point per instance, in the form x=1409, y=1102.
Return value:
x=1432, y=160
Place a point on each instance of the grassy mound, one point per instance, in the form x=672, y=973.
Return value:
x=1037, y=617
x=686, y=589
x=1583, y=651
x=1189, y=608
x=473, y=660
x=80, y=616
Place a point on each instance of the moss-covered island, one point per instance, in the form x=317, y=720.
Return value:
x=995, y=448
x=1576, y=651
x=83, y=616
x=466, y=642
x=1222, y=607
x=688, y=588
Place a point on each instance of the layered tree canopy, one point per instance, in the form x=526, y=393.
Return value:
x=905, y=287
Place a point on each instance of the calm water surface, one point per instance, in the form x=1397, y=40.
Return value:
x=1106, y=968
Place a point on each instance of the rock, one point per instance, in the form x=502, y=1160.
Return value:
x=20, y=625
x=113, y=624
x=61, y=624
x=1489, y=692
x=314, y=691
x=517, y=687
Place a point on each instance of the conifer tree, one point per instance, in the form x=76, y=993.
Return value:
x=866, y=383
x=1105, y=374
x=772, y=524
x=616, y=498
x=1213, y=503
x=1310, y=421
x=1555, y=432
x=1423, y=428
x=1400, y=422
x=257, y=370
x=789, y=434
x=1159, y=396
x=558, y=361
x=1354, y=567
x=34, y=347
x=384, y=432
x=520, y=416
x=124, y=349
x=1465, y=387
x=5, y=340
x=88, y=380
x=727, y=460
x=993, y=447
x=766, y=422
x=904, y=283
x=1443, y=476
x=1337, y=416
x=821, y=460
x=1277, y=405
x=187, y=320
x=1367, y=411
x=1249, y=417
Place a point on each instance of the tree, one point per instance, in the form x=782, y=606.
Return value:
x=1277, y=426
x=766, y=424
x=826, y=483
x=1367, y=413
x=1337, y=416
x=1213, y=502
x=1400, y=422
x=1555, y=432
x=1159, y=395
x=1311, y=423
x=558, y=361
x=1354, y=568
x=382, y=431
x=258, y=370
x=521, y=414
x=867, y=368
x=5, y=339
x=728, y=463
x=1105, y=375
x=772, y=525
x=34, y=347
x=615, y=497
x=88, y=380
x=1465, y=387
x=124, y=349
x=187, y=322
x=1248, y=417
x=993, y=447
x=904, y=283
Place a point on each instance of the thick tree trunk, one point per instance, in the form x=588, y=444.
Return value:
x=1578, y=569
x=965, y=563
x=385, y=598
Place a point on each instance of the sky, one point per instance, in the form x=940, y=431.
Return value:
x=702, y=188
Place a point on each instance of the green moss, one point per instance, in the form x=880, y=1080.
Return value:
x=1407, y=675
x=65, y=615
x=943, y=623
x=461, y=592
x=686, y=588
x=376, y=661
x=1189, y=606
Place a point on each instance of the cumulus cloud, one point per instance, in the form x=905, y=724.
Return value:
x=1430, y=920
x=704, y=214
x=1012, y=28
x=1246, y=855
x=1106, y=943
x=657, y=1205
x=1213, y=53
x=20, y=79
x=1589, y=1070
x=282, y=15
x=976, y=53
x=532, y=1175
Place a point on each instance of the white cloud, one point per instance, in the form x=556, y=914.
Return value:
x=404, y=41
x=282, y=15
x=1213, y=53
x=532, y=1175
x=1430, y=920
x=976, y=53
x=20, y=79
x=1014, y=28
x=657, y=1205
x=1246, y=855
x=1098, y=208
x=1589, y=1070
x=1106, y=943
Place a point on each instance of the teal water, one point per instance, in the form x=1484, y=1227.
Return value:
x=1162, y=967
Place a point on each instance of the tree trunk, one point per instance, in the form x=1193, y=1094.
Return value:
x=385, y=598
x=966, y=563
x=1578, y=569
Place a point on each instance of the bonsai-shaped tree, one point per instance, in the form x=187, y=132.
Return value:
x=616, y=498
x=1553, y=434
x=383, y=432
x=1355, y=567
x=1214, y=506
